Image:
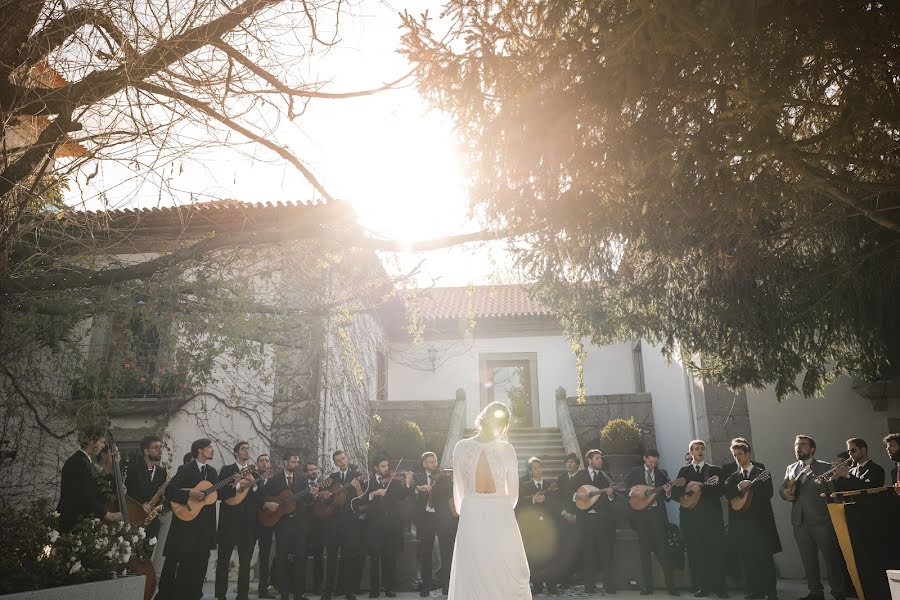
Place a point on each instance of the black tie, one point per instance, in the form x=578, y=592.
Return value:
x=697, y=467
x=539, y=486
x=594, y=477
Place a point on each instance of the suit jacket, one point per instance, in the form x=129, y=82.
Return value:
x=276, y=485
x=868, y=476
x=755, y=526
x=141, y=488
x=709, y=508
x=731, y=467
x=385, y=513
x=550, y=508
x=566, y=493
x=894, y=478
x=660, y=477
x=603, y=505
x=809, y=508
x=334, y=480
x=237, y=524
x=188, y=538
x=80, y=496
x=441, y=492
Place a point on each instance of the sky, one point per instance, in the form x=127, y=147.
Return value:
x=397, y=161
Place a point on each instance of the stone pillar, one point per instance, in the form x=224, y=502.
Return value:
x=727, y=417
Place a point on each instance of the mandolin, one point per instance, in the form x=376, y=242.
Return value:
x=691, y=496
x=189, y=511
x=641, y=496
x=742, y=501
x=791, y=487
x=241, y=494
x=593, y=494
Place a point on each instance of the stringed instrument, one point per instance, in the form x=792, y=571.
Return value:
x=791, y=487
x=324, y=508
x=133, y=514
x=241, y=494
x=691, y=496
x=641, y=496
x=287, y=503
x=210, y=490
x=742, y=501
x=593, y=494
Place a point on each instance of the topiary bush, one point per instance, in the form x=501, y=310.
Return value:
x=621, y=436
x=403, y=439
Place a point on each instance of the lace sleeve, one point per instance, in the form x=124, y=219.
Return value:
x=459, y=474
x=511, y=466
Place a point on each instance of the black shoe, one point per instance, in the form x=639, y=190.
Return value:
x=723, y=595
x=301, y=597
x=350, y=596
x=445, y=591
x=813, y=596
x=646, y=592
x=590, y=589
x=326, y=595
x=424, y=594
x=701, y=594
x=390, y=594
x=265, y=594
x=674, y=592
x=552, y=590
x=537, y=588
x=374, y=594
x=755, y=596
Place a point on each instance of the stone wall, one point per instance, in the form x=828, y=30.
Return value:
x=727, y=417
x=590, y=417
x=432, y=416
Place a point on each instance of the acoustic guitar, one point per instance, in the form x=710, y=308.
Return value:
x=324, y=508
x=241, y=494
x=641, y=496
x=287, y=503
x=691, y=496
x=210, y=490
x=742, y=501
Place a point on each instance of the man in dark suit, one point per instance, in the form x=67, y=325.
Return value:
x=813, y=531
x=569, y=532
x=652, y=523
x=189, y=542
x=80, y=496
x=237, y=523
x=144, y=479
x=864, y=474
x=384, y=532
x=264, y=534
x=342, y=532
x=316, y=537
x=892, y=447
x=597, y=524
x=730, y=467
x=702, y=525
x=538, y=514
x=292, y=530
x=753, y=530
x=731, y=559
x=433, y=490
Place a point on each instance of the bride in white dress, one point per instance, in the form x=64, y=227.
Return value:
x=489, y=559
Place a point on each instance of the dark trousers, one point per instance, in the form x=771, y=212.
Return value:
x=382, y=566
x=264, y=538
x=759, y=566
x=598, y=536
x=223, y=562
x=166, y=585
x=429, y=529
x=651, y=529
x=291, y=537
x=812, y=539
x=342, y=537
x=316, y=545
x=191, y=573
x=704, y=536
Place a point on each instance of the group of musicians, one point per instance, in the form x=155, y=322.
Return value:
x=568, y=525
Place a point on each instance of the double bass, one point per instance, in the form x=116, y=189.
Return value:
x=132, y=514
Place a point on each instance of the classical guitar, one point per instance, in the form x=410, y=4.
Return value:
x=641, y=496
x=210, y=490
x=745, y=497
x=323, y=507
x=691, y=496
x=241, y=494
x=287, y=503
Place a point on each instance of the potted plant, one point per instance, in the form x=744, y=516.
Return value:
x=622, y=445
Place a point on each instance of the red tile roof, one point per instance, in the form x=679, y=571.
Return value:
x=484, y=301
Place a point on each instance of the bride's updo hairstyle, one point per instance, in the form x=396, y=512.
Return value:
x=494, y=419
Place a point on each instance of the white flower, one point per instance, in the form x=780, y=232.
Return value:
x=142, y=533
x=75, y=568
x=134, y=539
x=153, y=541
x=54, y=535
x=127, y=557
x=54, y=514
x=121, y=540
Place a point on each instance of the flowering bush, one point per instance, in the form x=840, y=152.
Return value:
x=37, y=556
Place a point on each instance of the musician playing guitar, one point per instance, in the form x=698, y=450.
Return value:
x=292, y=530
x=80, y=495
x=189, y=542
x=237, y=524
x=144, y=479
x=597, y=524
x=752, y=531
x=652, y=523
x=702, y=526
x=342, y=531
x=538, y=515
x=264, y=534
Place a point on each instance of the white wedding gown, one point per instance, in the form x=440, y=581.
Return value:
x=489, y=559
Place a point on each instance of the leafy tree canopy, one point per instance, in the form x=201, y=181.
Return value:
x=717, y=177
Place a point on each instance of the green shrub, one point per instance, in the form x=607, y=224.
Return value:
x=621, y=436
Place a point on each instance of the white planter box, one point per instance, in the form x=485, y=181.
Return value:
x=123, y=588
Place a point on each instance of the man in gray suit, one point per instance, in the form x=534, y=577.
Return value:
x=813, y=531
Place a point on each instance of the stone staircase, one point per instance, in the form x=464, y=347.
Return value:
x=544, y=442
